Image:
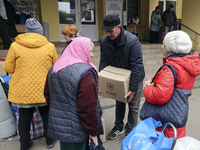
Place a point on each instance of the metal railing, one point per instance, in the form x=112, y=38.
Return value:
x=196, y=47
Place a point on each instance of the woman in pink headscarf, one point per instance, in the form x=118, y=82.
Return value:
x=71, y=89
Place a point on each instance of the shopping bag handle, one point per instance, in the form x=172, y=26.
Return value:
x=175, y=132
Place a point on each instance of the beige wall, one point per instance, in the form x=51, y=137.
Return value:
x=190, y=18
x=49, y=14
x=191, y=15
x=179, y=9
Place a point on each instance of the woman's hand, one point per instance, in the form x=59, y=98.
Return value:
x=147, y=83
x=95, y=140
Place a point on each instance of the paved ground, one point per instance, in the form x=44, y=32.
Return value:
x=108, y=105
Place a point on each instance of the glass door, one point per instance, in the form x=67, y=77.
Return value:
x=164, y=4
x=82, y=14
x=88, y=19
x=67, y=14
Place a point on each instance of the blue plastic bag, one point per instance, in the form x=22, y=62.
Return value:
x=144, y=136
x=6, y=78
x=5, y=85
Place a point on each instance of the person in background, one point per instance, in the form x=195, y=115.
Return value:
x=29, y=59
x=115, y=43
x=155, y=25
x=169, y=19
x=7, y=23
x=72, y=90
x=70, y=32
x=176, y=48
x=136, y=19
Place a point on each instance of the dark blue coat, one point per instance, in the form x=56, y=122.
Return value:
x=132, y=56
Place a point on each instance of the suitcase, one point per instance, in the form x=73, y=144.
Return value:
x=7, y=119
x=2, y=72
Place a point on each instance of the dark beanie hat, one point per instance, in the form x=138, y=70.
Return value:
x=157, y=7
x=109, y=22
x=33, y=26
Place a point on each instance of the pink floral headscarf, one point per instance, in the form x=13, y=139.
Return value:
x=78, y=51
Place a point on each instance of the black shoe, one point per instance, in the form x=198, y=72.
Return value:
x=126, y=133
x=51, y=145
x=30, y=145
x=114, y=133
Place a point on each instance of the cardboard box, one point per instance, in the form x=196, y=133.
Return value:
x=114, y=82
x=2, y=72
x=20, y=28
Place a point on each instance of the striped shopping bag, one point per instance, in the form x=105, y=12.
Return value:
x=36, y=126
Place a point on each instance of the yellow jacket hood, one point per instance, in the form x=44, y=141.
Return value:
x=31, y=40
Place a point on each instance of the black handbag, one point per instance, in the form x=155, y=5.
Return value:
x=174, y=111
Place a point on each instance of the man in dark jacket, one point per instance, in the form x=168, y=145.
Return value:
x=169, y=19
x=122, y=49
x=7, y=24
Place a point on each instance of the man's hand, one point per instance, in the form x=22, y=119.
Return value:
x=100, y=94
x=130, y=95
x=95, y=140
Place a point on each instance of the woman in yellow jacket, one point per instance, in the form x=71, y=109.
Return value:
x=29, y=59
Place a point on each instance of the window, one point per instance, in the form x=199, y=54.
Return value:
x=164, y=4
x=134, y=8
x=67, y=11
x=88, y=11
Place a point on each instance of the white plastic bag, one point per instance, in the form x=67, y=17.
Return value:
x=187, y=143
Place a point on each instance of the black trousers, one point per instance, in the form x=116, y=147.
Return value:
x=153, y=37
x=25, y=116
x=4, y=33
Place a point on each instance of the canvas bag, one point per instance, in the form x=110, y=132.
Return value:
x=145, y=137
x=174, y=111
x=36, y=126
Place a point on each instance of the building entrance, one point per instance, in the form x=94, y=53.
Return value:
x=82, y=13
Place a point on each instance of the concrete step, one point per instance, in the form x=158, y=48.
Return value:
x=152, y=62
x=96, y=50
x=151, y=51
x=97, y=54
x=95, y=61
x=3, y=53
x=151, y=69
x=59, y=50
x=149, y=76
x=151, y=46
x=152, y=56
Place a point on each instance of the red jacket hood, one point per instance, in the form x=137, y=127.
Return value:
x=189, y=62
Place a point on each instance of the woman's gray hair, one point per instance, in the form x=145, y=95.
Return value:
x=92, y=44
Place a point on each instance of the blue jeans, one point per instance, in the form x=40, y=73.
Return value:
x=134, y=106
x=168, y=29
